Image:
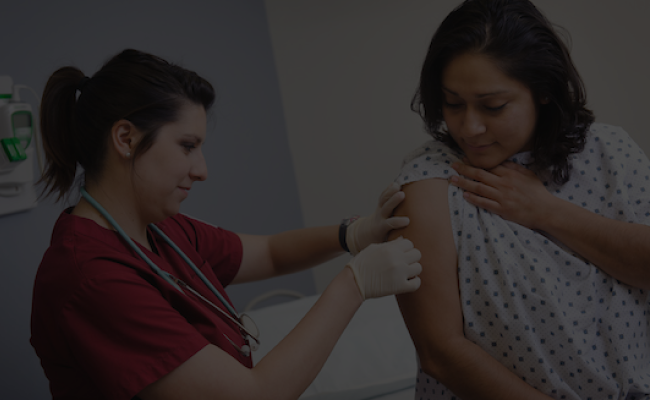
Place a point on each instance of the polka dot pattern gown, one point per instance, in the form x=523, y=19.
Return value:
x=547, y=314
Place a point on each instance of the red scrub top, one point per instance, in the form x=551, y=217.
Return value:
x=105, y=326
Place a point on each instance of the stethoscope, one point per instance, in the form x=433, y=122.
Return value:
x=247, y=326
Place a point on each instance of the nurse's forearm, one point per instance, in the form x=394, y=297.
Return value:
x=293, y=364
x=299, y=249
x=287, y=252
x=284, y=373
x=619, y=248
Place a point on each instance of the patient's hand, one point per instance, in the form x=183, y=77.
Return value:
x=509, y=190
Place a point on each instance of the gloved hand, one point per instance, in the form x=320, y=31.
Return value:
x=387, y=268
x=375, y=228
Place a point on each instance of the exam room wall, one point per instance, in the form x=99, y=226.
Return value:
x=348, y=71
x=251, y=186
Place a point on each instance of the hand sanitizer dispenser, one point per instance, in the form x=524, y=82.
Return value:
x=16, y=151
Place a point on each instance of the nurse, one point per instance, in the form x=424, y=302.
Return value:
x=129, y=299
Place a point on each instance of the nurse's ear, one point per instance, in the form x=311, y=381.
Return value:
x=124, y=138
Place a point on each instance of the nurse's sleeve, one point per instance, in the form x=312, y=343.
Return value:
x=433, y=313
x=221, y=248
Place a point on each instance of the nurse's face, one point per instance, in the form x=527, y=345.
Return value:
x=164, y=174
x=489, y=115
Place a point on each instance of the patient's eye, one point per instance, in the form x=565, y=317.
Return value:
x=452, y=105
x=496, y=108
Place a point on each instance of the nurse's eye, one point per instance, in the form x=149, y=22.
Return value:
x=493, y=109
x=188, y=146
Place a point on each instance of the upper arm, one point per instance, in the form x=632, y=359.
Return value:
x=220, y=248
x=211, y=373
x=257, y=261
x=433, y=313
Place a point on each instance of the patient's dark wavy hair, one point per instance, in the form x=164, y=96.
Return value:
x=524, y=44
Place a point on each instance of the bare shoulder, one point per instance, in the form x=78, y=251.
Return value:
x=438, y=299
x=429, y=229
x=425, y=204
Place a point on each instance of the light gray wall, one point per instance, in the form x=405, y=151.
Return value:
x=348, y=71
x=251, y=186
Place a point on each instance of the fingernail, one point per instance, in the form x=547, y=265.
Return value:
x=454, y=179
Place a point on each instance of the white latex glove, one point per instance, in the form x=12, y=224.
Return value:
x=374, y=229
x=387, y=268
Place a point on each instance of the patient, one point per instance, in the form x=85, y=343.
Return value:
x=533, y=221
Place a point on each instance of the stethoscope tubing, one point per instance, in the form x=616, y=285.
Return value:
x=232, y=314
x=198, y=272
x=164, y=274
x=239, y=324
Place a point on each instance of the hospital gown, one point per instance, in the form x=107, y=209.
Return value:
x=555, y=320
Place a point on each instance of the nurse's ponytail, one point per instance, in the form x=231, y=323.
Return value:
x=58, y=128
x=78, y=113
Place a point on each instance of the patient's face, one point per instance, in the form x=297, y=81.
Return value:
x=490, y=115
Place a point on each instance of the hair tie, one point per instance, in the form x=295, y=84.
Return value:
x=82, y=83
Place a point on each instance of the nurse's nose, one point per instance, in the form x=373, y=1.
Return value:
x=472, y=123
x=199, y=169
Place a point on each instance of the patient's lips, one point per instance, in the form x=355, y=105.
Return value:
x=478, y=147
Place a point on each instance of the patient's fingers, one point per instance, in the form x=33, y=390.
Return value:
x=476, y=174
x=476, y=187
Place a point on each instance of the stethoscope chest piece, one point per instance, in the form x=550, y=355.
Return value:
x=251, y=331
x=251, y=334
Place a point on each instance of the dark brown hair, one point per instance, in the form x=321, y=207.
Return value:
x=520, y=39
x=139, y=87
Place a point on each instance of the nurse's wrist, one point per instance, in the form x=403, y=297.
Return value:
x=346, y=235
x=351, y=285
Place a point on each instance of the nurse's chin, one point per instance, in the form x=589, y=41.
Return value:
x=169, y=212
